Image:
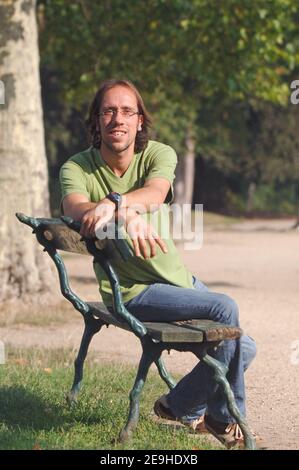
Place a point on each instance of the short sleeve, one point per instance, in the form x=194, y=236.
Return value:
x=72, y=179
x=162, y=164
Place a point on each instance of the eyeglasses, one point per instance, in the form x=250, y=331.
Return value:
x=112, y=112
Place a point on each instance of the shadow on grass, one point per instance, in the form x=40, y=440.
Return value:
x=35, y=415
x=22, y=409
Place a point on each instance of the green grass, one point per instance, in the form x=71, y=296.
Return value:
x=34, y=414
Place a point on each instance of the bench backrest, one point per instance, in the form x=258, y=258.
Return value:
x=63, y=234
x=56, y=234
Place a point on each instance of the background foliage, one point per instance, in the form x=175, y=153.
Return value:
x=221, y=70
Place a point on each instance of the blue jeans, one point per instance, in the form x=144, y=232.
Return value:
x=197, y=393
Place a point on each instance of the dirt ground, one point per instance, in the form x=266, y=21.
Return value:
x=255, y=262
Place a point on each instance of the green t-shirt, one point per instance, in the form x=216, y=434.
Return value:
x=87, y=173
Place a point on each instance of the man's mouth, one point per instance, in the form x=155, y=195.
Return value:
x=117, y=133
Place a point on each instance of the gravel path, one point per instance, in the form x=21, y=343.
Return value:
x=257, y=263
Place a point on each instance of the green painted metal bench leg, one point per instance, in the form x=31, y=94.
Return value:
x=92, y=326
x=170, y=382
x=220, y=371
x=151, y=353
x=144, y=365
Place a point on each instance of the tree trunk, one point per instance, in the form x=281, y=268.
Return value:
x=183, y=189
x=184, y=181
x=250, y=197
x=26, y=272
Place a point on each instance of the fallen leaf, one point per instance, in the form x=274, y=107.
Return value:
x=21, y=361
x=36, y=446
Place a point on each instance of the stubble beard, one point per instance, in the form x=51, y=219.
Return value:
x=115, y=149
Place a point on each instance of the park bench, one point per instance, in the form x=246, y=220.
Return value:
x=197, y=336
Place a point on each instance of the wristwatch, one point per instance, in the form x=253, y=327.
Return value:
x=116, y=198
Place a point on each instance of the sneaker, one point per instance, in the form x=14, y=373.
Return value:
x=162, y=409
x=229, y=434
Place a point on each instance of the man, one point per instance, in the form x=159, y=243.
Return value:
x=125, y=175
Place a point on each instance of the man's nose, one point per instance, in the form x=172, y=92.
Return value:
x=118, y=116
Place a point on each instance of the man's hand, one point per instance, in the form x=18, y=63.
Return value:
x=96, y=218
x=139, y=231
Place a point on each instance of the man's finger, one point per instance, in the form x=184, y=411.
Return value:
x=92, y=228
x=136, y=247
x=98, y=227
x=161, y=244
x=152, y=244
x=142, y=246
x=85, y=227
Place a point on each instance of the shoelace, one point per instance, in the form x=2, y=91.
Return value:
x=237, y=432
x=193, y=425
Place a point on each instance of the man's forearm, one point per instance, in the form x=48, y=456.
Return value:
x=77, y=211
x=143, y=200
x=146, y=199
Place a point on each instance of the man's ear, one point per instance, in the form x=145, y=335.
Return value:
x=140, y=123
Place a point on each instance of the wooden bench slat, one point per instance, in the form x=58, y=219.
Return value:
x=194, y=331
x=63, y=238
x=213, y=331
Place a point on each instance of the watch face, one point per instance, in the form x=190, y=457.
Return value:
x=115, y=197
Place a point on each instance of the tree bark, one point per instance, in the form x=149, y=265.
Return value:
x=183, y=189
x=250, y=197
x=184, y=181
x=26, y=272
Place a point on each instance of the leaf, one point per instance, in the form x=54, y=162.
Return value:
x=36, y=446
x=20, y=361
x=263, y=13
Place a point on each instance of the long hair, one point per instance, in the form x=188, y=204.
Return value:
x=94, y=136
